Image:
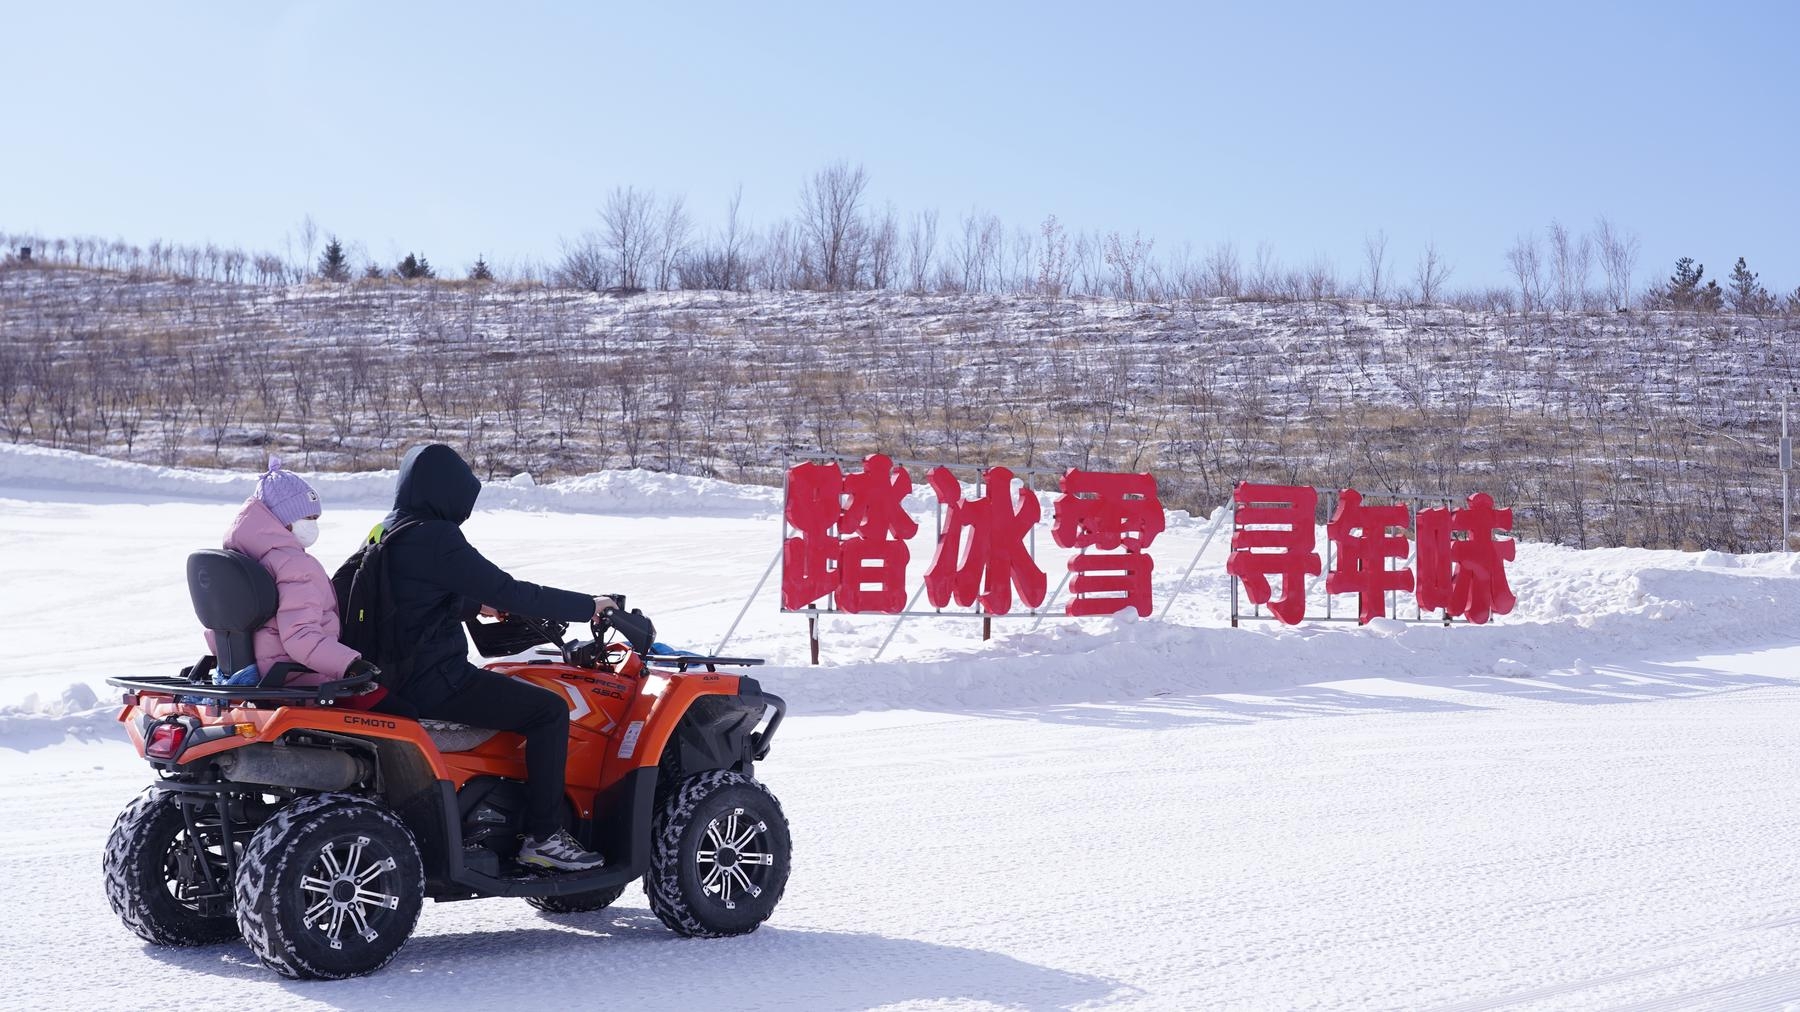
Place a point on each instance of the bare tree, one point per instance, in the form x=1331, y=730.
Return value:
x=884, y=249
x=309, y=238
x=1569, y=264
x=1053, y=259
x=733, y=244
x=627, y=232
x=778, y=260
x=1321, y=278
x=921, y=249
x=1375, y=269
x=670, y=242
x=1526, y=267
x=725, y=265
x=1431, y=273
x=1127, y=258
x=831, y=226
x=1618, y=258
x=979, y=253
x=1265, y=272
x=1223, y=274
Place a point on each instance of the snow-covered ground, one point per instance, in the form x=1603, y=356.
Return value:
x=1588, y=804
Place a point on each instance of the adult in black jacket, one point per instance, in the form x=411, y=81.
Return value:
x=438, y=579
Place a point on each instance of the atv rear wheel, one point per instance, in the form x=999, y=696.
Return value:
x=719, y=858
x=577, y=903
x=330, y=887
x=154, y=879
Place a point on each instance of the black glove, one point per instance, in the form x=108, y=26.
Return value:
x=361, y=667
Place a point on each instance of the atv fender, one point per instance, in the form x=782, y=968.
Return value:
x=712, y=720
x=719, y=732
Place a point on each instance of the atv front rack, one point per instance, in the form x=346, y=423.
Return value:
x=325, y=692
x=682, y=662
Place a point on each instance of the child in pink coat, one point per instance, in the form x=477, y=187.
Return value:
x=278, y=523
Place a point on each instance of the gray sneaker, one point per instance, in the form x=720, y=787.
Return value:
x=559, y=853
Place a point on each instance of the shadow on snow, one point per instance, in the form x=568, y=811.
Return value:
x=627, y=958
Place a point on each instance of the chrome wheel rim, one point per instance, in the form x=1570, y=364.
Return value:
x=734, y=859
x=350, y=889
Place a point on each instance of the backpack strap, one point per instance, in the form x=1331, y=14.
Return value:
x=399, y=667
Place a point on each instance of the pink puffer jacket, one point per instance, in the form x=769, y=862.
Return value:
x=305, y=626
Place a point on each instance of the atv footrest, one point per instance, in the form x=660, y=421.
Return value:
x=515, y=881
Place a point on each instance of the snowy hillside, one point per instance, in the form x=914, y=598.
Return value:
x=1651, y=428
x=1582, y=805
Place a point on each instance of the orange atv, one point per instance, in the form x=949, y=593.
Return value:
x=317, y=831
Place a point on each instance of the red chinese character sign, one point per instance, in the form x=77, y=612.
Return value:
x=1116, y=514
x=847, y=538
x=1364, y=546
x=1274, y=537
x=1461, y=564
x=809, y=560
x=876, y=527
x=982, y=555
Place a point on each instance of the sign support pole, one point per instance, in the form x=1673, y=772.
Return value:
x=1226, y=513
x=1787, y=463
x=745, y=610
x=896, y=626
x=812, y=631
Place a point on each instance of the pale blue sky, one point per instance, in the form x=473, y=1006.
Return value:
x=455, y=128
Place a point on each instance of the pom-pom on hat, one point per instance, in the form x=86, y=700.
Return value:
x=286, y=494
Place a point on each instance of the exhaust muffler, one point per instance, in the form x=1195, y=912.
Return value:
x=306, y=768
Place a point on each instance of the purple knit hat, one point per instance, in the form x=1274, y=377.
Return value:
x=286, y=494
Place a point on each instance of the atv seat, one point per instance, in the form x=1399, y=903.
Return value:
x=450, y=736
x=234, y=596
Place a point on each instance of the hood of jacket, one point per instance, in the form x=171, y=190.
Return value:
x=256, y=532
x=436, y=482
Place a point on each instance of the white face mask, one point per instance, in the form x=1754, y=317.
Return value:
x=307, y=531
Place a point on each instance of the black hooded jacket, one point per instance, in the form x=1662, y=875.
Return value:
x=438, y=578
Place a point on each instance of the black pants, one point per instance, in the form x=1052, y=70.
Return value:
x=542, y=716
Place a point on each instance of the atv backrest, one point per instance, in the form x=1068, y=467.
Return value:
x=233, y=596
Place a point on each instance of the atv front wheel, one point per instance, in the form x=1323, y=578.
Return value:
x=330, y=887
x=719, y=858
x=155, y=881
x=577, y=903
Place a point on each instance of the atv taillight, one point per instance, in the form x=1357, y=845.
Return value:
x=165, y=741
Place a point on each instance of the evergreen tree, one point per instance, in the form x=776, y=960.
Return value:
x=374, y=272
x=1793, y=301
x=333, y=264
x=415, y=267
x=1712, y=297
x=480, y=272
x=1747, y=296
x=1683, y=289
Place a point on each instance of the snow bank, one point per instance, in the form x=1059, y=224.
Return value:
x=1634, y=607
x=29, y=471
x=76, y=713
x=1656, y=618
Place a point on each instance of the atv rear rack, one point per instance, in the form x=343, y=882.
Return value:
x=325, y=692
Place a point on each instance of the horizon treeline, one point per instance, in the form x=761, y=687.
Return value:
x=838, y=239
